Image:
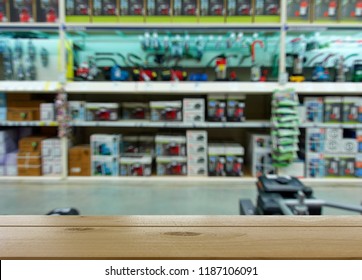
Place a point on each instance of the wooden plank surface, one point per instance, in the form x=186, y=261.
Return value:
x=192, y=237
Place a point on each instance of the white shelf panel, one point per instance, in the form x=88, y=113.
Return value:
x=30, y=178
x=29, y=86
x=247, y=124
x=28, y=123
x=321, y=26
x=29, y=26
x=326, y=88
x=170, y=87
x=205, y=179
x=331, y=125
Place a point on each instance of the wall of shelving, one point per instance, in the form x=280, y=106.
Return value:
x=180, y=89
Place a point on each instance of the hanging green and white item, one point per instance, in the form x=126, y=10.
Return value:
x=284, y=127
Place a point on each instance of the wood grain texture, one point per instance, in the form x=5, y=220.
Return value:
x=192, y=237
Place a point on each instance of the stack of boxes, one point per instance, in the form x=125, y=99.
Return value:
x=259, y=155
x=47, y=112
x=51, y=157
x=196, y=152
x=193, y=110
x=332, y=152
x=171, y=155
x=79, y=161
x=29, y=156
x=105, y=153
x=221, y=108
x=170, y=111
x=226, y=159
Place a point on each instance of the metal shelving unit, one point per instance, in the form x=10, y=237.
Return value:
x=176, y=88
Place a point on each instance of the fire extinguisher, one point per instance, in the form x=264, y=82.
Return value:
x=255, y=68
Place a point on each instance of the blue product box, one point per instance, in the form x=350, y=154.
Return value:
x=105, y=166
x=2, y=100
x=3, y=113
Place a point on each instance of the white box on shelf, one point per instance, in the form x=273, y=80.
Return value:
x=193, y=116
x=51, y=147
x=333, y=146
x=170, y=145
x=193, y=159
x=47, y=112
x=196, y=136
x=197, y=170
x=104, y=166
x=106, y=144
x=334, y=134
x=194, y=105
x=349, y=146
x=197, y=148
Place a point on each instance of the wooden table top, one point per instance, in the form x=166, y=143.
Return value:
x=180, y=237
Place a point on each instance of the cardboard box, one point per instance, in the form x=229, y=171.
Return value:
x=52, y=166
x=299, y=10
x=77, y=110
x=30, y=144
x=23, y=114
x=191, y=117
x=326, y=10
x=351, y=10
x=31, y=170
x=170, y=145
x=234, y=159
x=135, y=111
x=333, y=109
x=135, y=166
x=194, y=105
x=216, y=108
x=138, y=145
x=217, y=160
x=349, y=146
x=171, y=165
x=197, y=159
x=47, y=112
x=350, y=109
x=105, y=166
x=235, y=108
x=29, y=158
x=259, y=155
x=334, y=134
x=102, y=111
x=166, y=111
x=347, y=166
x=106, y=144
x=314, y=109
x=332, y=165
x=333, y=146
x=79, y=161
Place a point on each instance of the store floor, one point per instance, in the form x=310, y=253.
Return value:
x=147, y=197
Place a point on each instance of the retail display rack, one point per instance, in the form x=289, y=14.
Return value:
x=189, y=88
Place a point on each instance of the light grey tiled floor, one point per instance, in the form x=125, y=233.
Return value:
x=147, y=197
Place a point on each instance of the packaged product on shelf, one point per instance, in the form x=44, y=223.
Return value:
x=132, y=8
x=212, y=8
x=197, y=170
x=194, y=110
x=360, y=110
x=77, y=8
x=235, y=108
x=171, y=165
x=359, y=139
x=105, y=8
x=267, y=7
x=332, y=109
x=29, y=161
x=31, y=144
x=351, y=10
x=22, y=11
x=77, y=111
x=347, y=163
x=332, y=165
x=197, y=137
x=217, y=161
x=102, y=111
x=314, y=109
x=8, y=141
x=350, y=109
x=106, y=144
x=130, y=145
x=135, y=166
x=298, y=10
x=47, y=10
x=216, y=108
x=79, y=161
x=52, y=166
x=158, y=7
x=185, y=8
x=29, y=170
x=197, y=158
x=349, y=146
x=234, y=159
x=315, y=165
x=166, y=111
x=135, y=111
x=23, y=110
x=358, y=165
x=170, y=145
x=29, y=158
x=239, y=8
x=51, y=147
x=334, y=134
x=315, y=140
x=146, y=144
x=259, y=154
x=3, y=108
x=326, y=10
x=105, y=166
x=47, y=112
x=4, y=17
